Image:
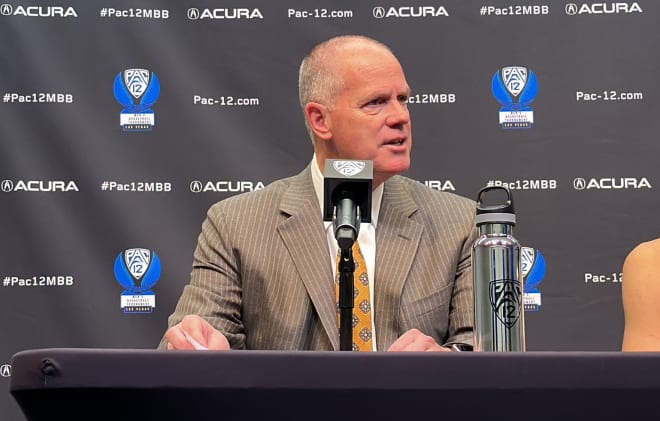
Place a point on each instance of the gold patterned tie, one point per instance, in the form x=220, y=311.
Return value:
x=362, y=302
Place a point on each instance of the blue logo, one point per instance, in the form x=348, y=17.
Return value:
x=515, y=87
x=137, y=91
x=137, y=270
x=533, y=269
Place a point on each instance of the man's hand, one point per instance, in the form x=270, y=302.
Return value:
x=416, y=341
x=200, y=331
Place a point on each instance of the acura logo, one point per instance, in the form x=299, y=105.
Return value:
x=379, y=12
x=193, y=13
x=5, y=370
x=6, y=9
x=7, y=186
x=196, y=186
x=571, y=9
x=579, y=184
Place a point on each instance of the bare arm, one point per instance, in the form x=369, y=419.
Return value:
x=641, y=298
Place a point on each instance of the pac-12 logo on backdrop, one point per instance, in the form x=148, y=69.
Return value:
x=137, y=270
x=515, y=87
x=137, y=91
x=533, y=269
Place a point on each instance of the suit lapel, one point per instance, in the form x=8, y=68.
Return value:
x=304, y=236
x=397, y=241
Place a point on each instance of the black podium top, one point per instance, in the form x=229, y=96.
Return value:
x=127, y=384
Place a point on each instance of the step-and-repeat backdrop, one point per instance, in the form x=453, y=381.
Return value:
x=122, y=122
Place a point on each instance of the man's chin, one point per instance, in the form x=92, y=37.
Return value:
x=396, y=167
x=390, y=171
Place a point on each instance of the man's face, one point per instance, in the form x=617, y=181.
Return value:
x=369, y=119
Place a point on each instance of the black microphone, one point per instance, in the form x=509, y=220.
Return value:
x=347, y=197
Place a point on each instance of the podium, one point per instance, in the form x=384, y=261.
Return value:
x=132, y=384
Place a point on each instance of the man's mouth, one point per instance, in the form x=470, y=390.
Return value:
x=395, y=142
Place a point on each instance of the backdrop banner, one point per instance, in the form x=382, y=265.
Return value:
x=122, y=122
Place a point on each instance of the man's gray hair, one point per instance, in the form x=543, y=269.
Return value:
x=319, y=78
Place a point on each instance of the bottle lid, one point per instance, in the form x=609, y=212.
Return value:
x=499, y=213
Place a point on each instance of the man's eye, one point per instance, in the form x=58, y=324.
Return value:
x=377, y=101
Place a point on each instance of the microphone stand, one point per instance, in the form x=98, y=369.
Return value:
x=347, y=226
x=346, y=285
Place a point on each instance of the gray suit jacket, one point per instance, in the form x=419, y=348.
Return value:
x=262, y=274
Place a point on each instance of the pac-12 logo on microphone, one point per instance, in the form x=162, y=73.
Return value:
x=533, y=269
x=137, y=270
x=349, y=168
x=137, y=91
x=515, y=87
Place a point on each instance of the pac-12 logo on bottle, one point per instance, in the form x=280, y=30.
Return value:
x=137, y=90
x=137, y=270
x=505, y=300
x=515, y=87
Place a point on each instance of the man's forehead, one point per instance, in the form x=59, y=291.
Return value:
x=383, y=76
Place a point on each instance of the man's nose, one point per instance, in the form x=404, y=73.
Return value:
x=398, y=114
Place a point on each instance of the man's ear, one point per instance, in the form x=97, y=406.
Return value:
x=318, y=117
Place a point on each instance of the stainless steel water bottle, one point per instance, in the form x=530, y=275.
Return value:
x=497, y=272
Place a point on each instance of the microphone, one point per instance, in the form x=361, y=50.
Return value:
x=347, y=197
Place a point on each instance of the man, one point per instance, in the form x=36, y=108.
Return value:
x=263, y=269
